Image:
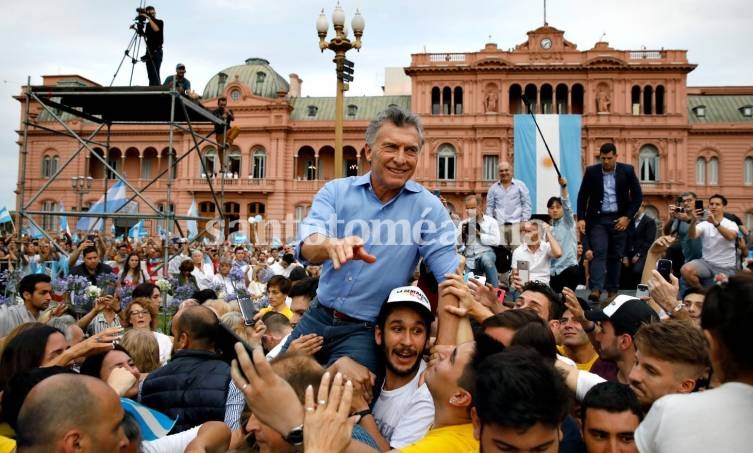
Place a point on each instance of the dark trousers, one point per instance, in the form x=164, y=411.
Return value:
x=354, y=339
x=569, y=277
x=153, y=63
x=608, y=246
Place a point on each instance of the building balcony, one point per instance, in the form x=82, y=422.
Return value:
x=455, y=185
x=247, y=184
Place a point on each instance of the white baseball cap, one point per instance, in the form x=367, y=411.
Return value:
x=410, y=294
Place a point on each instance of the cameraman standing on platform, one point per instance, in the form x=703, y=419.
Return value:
x=153, y=34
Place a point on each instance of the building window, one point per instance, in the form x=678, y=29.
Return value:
x=46, y=167
x=446, y=162
x=700, y=171
x=458, y=101
x=234, y=162
x=260, y=164
x=208, y=158
x=352, y=110
x=700, y=111
x=747, y=110
x=713, y=171
x=748, y=171
x=435, y=101
x=260, y=77
x=300, y=213
x=235, y=95
x=491, y=164
x=50, y=221
x=206, y=207
x=312, y=109
x=749, y=220
x=115, y=164
x=648, y=164
x=311, y=170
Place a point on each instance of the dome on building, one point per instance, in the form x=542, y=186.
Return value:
x=256, y=74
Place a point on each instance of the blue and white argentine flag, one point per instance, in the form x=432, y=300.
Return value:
x=116, y=198
x=533, y=165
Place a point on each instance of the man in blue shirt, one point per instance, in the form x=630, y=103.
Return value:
x=368, y=232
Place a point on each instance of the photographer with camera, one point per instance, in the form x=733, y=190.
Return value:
x=154, y=36
x=718, y=238
x=679, y=222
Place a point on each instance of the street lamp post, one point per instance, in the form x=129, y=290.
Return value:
x=340, y=44
x=81, y=185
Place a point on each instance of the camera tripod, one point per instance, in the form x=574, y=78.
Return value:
x=132, y=51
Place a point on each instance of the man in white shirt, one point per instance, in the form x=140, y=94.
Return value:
x=538, y=254
x=404, y=411
x=479, y=233
x=717, y=419
x=718, y=235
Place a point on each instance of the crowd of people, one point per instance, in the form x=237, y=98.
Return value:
x=361, y=338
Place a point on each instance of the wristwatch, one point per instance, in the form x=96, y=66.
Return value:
x=677, y=308
x=295, y=436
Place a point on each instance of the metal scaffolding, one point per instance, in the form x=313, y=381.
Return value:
x=108, y=107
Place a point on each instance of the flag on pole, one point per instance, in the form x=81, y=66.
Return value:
x=116, y=198
x=138, y=231
x=5, y=215
x=534, y=166
x=193, y=229
x=64, y=220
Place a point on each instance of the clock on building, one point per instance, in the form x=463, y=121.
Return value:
x=546, y=43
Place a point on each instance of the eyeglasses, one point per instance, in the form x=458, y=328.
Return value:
x=139, y=313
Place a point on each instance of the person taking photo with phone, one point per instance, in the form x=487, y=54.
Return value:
x=718, y=235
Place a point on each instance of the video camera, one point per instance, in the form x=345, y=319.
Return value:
x=140, y=15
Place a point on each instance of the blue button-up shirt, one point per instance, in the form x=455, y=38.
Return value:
x=564, y=231
x=511, y=205
x=609, y=202
x=413, y=224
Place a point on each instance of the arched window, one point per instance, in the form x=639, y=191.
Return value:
x=700, y=171
x=50, y=221
x=515, y=99
x=648, y=96
x=259, y=169
x=234, y=162
x=660, y=100
x=446, y=100
x=209, y=156
x=713, y=171
x=635, y=100
x=748, y=171
x=435, y=101
x=458, y=101
x=446, y=162
x=648, y=164
x=46, y=166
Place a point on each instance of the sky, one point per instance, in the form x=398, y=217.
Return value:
x=88, y=38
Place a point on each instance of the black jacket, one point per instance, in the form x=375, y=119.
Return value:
x=191, y=387
x=640, y=238
x=591, y=194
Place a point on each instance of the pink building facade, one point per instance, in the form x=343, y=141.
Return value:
x=678, y=138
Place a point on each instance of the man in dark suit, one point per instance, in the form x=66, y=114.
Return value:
x=609, y=198
x=641, y=233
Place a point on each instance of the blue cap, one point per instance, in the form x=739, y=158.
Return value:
x=180, y=65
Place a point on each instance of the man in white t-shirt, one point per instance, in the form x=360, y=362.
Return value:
x=717, y=419
x=404, y=410
x=718, y=235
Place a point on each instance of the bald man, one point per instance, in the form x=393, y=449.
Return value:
x=509, y=202
x=67, y=413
